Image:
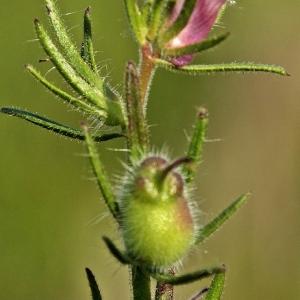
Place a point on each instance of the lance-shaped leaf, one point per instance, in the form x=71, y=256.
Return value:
x=136, y=127
x=96, y=295
x=62, y=94
x=136, y=20
x=100, y=173
x=221, y=68
x=159, y=14
x=216, y=223
x=216, y=288
x=69, y=49
x=110, y=110
x=116, y=253
x=87, y=48
x=66, y=70
x=188, y=278
x=55, y=126
x=179, y=20
x=146, y=11
x=196, y=144
x=196, y=48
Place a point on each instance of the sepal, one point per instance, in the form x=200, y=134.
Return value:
x=136, y=20
x=196, y=48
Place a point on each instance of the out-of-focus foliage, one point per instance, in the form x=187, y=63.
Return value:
x=50, y=214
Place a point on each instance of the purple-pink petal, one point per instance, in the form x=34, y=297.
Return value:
x=182, y=60
x=200, y=23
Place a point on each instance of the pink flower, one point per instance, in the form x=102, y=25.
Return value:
x=198, y=27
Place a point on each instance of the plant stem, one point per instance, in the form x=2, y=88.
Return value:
x=140, y=279
x=140, y=284
x=165, y=291
x=146, y=72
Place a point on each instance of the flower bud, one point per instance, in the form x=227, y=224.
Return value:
x=157, y=221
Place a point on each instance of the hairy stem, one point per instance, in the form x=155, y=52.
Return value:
x=140, y=284
x=146, y=72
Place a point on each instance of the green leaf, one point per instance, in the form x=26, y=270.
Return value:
x=188, y=278
x=61, y=94
x=69, y=49
x=222, y=68
x=67, y=71
x=179, y=23
x=159, y=15
x=54, y=126
x=87, y=49
x=116, y=253
x=101, y=175
x=109, y=110
x=216, y=288
x=146, y=11
x=96, y=295
x=136, y=20
x=195, y=150
x=225, y=215
x=196, y=48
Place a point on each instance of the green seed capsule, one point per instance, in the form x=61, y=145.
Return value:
x=157, y=222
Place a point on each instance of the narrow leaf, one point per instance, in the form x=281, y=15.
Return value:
x=116, y=253
x=66, y=70
x=109, y=110
x=188, y=278
x=222, y=68
x=225, y=215
x=54, y=126
x=146, y=11
x=195, y=150
x=159, y=15
x=96, y=295
x=100, y=173
x=196, y=48
x=69, y=48
x=61, y=94
x=136, y=20
x=87, y=50
x=216, y=289
x=180, y=22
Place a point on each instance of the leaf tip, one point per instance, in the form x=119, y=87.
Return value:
x=88, y=11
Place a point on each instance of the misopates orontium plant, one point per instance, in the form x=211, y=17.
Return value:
x=153, y=209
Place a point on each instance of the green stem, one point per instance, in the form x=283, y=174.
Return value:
x=140, y=284
x=146, y=72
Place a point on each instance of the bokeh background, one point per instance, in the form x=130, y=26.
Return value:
x=51, y=215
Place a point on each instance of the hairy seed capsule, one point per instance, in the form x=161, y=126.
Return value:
x=157, y=223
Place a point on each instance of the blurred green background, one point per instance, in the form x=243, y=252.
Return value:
x=51, y=215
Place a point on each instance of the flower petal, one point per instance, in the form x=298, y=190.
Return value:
x=182, y=60
x=200, y=24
